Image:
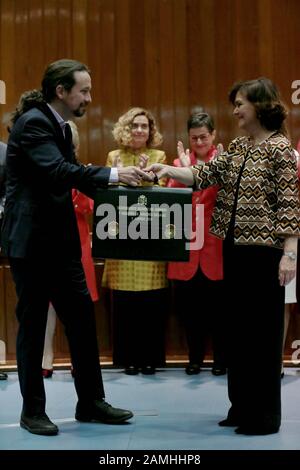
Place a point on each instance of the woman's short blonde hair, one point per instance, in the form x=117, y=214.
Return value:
x=122, y=129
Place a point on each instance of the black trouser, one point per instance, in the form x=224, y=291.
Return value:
x=255, y=312
x=139, y=327
x=62, y=282
x=198, y=302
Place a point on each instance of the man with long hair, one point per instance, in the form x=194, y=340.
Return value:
x=40, y=238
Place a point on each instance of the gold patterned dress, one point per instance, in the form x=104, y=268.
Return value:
x=139, y=293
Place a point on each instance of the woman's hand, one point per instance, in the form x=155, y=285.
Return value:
x=143, y=161
x=158, y=169
x=287, y=270
x=184, y=175
x=133, y=176
x=184, y=156
x=220, y=149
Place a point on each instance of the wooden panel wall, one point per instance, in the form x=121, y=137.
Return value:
x=166, y=55
x=175, y=340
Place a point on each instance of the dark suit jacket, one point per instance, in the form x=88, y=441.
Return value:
x=41, y=170
x=2, y=181
x=3, y=147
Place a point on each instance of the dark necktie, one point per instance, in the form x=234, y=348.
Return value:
x=69, y=143
x=68, y=135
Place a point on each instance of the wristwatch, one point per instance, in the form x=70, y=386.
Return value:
x=290, y=254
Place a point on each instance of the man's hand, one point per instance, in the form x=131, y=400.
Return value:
x=132, y=175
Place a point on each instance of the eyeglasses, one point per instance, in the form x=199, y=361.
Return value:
x=202, y=137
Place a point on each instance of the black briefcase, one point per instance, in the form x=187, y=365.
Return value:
x=142, y=223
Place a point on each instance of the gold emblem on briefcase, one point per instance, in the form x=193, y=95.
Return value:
x=142, y=200
x=170, y=231
x=113, y=228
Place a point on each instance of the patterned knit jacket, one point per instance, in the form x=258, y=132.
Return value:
x=268, y=203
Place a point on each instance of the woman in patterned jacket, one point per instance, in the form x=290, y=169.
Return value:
x=257, y=214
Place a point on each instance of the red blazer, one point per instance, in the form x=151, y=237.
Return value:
x=210, y=257
x=83, y=206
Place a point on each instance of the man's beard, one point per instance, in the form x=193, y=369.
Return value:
x=79, y=112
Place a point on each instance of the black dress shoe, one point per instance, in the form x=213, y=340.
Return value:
x=256, y=430
x=233, y=419
x=38, y=424
x=192, y=369
x=102, y=412
x=148, y=370
x=216, y=370
x=3, y=376
x=131, y=370
x=228, y=423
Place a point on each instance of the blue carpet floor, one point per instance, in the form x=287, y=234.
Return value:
x=172, y=411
